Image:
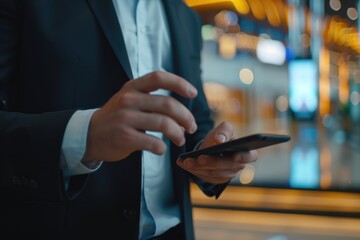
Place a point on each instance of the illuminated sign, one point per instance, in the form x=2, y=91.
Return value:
x=303, y=88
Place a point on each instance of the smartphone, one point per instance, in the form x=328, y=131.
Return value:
x=243, y=144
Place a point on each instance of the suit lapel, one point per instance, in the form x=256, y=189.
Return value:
x=106, y=16
x=177, y=35
x=178, y=43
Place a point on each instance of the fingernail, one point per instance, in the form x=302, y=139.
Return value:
x=220, y=138
x=179, y=162
x=182, y=142
x=193, y=128
x=192, y=91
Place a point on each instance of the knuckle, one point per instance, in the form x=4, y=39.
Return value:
x=169, y=104
x=240, y=158
x=126, y=117
x=156, y=76
x=165, y=125
x=130, y=86
x=228, y=125
x=124, y=136
x=127, y=100
x=156, y=146
x=227, y=128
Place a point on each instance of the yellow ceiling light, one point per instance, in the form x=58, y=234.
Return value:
x=272, y=13
x=197, y=3
x=240, y=5
x=257, y=9
x=282, y=10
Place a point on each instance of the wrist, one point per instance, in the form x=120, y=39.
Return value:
x=89, y=154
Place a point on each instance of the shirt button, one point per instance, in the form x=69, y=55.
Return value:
x=129, y=213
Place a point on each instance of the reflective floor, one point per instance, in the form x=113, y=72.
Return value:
x=308, y=188
x=214, y=224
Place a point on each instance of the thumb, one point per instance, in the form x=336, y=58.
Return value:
x=220, y=134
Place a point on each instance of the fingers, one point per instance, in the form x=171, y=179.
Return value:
x=222, y=133
x=218, y=169
x=148, y=143
x=216, y=177
x=135, y=95
x=155, y=122
x=164, y=80
x=168, y=107
x=227, y=162
x=235, y=161
x=118, y=128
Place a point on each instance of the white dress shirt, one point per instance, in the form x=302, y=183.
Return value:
x=146, y=34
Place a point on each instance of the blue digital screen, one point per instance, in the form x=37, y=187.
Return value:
x=305, y=169
x=303, y=87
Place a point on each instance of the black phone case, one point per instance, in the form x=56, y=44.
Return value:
x=242, y=144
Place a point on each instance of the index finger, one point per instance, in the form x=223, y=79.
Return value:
x=164, y=80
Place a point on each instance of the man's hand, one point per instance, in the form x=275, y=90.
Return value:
x=214, y=169
x=118, y=128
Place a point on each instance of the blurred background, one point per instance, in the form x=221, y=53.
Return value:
x=289, y=67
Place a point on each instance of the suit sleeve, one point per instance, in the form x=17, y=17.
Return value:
x=29, y=143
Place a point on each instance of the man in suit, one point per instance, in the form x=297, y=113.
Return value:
x=98, y=99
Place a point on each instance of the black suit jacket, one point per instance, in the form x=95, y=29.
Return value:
x=58, y=56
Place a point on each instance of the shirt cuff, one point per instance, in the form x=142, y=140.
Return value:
x=74, y=144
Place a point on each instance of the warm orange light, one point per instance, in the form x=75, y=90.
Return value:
x=341, y=33
x=324, y=83
x=272, y=13
x=246, y=42
x=257, y=9
x=240, y=5
x=247, y=174
x=282, y=9
x=246, y=76
x=284, y=199
x=216, y=95
x=227, y=46
x=335, y=31
x=275, y=11
x=343, y=80
x=325, y=168
x=325, y=180
x=220, y=20
x=291, y=16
